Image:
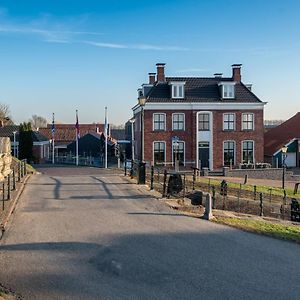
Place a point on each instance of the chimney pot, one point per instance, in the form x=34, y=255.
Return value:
x=161, y=72
x=236, y=72
x=151, y=78
x=218, y=75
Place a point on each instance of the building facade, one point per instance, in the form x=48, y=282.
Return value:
x=204, y=122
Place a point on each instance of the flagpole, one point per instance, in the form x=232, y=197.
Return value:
x=106, y=129
x=53, y=139
x=77, y=132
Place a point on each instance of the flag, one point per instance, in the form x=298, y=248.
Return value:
x=105, y=122
x=77, y=126
x=53, y=126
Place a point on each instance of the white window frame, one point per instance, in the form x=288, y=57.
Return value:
x=165, y=158
x=209, y=121
x=253, y=122
x=234, y=122
x=234, y=152
x=165, y=117
x=183, y=121
x=175, y=85
x=242, y=150
x=183, y=152
x=226, y=86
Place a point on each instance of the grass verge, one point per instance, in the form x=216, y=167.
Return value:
x=281, y=231
x=259, y=188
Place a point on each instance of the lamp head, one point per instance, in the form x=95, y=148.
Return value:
x=284, y=149
x=142, y=100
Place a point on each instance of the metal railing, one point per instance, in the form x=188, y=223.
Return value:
x=9, y=183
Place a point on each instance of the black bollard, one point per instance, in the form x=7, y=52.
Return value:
x=152, y=178
x=8, y=187
x=165, y=184
x=14, y=179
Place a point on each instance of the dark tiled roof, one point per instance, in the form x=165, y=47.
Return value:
x=67, y=133
x=277, y=137
x=38, y=137
x=199, y=89
x=7, y=131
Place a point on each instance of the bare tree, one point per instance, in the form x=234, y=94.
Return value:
x=5, y=118
x=38, y=122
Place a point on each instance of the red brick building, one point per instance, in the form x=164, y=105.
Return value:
x=217, y=121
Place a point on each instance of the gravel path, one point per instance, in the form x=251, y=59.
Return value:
x=83, y=233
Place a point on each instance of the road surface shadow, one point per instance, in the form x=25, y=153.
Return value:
x=219, y=264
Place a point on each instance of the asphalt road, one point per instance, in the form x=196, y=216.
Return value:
x=88, y=234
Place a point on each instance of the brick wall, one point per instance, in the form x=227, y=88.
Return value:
x=189, y=135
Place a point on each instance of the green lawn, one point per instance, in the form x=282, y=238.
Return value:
x=259, y=188
x=290, y=233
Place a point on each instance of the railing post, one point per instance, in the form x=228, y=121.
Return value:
x=8, y=187
x=165, y=184
x=14, y=179
x=152, y=178
x=194, y=178
x=19, y=171
x=261, y=204
x=3, y=194
x=25, y=166
x=254, y=192
x=125, y=168
x=131, y=169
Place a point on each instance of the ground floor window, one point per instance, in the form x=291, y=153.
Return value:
x=228, y=153
x=178, y=152
x=248, y=147
x=159, y=152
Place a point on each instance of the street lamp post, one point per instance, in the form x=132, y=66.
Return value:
x=15, y=149
x=132, y=138
x=142, y=101
x=176, y=148
x=284, y=155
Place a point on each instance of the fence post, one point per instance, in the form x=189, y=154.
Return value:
x=261, y=204
x=165, y=184
x=131, y=169
x=213, y=197
x=14, y=179
x=254, y=192
x=19, y=171
x=152, y=178
x=184, y=186
x=239, y=195
x=8, y=187
x=125, y=168
x=3, y=194
x=25, y=166
x=194, y=178
x=246, y=179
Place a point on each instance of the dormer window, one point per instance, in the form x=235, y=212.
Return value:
x=177, y=90
x=227, y=90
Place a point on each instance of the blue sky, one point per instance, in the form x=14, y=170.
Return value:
x=59, y=56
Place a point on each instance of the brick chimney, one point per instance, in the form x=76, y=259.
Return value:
x=161, y=72
x=151, y=78
x=236, y=72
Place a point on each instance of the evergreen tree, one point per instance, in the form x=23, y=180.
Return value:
x=25, y=141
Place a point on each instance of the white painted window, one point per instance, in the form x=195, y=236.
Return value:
x=159, y=121
x=228, y=91
x=203, y=122
x=247, y=121
x=229, y=121
x=159, y=152
x=178, y=121
x=248, y=151
x=178, y=91
x=229, y=153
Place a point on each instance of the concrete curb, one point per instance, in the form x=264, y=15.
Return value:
x=3, y=225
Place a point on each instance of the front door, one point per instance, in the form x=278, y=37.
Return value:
x=203, y=155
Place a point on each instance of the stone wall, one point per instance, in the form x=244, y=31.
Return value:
x=5, y=157
x=272, y=173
